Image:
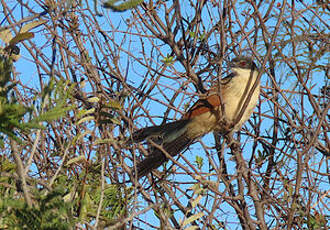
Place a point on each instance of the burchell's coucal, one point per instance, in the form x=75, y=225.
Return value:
x=221, y=105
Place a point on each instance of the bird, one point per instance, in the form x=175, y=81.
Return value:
x=220, y=106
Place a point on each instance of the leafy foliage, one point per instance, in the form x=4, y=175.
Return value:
x=121, y=5
x=49, y=212
x=12, y=113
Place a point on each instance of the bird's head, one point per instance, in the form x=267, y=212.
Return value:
x=243, y=63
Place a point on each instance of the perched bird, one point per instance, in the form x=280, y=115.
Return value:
x=221, y=105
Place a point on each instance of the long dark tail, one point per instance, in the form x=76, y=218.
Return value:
x=172, y=138
x=157, y=157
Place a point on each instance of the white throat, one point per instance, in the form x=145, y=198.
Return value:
x=238, y=91
x=245, y=73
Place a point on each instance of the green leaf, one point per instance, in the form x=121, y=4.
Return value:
x=84, y=112
x=169, y=60
x=21, y=37
x=104, y=141
x=114, y=104
x=196, y=201
x=116, y=6
x=197, y=188
x=32, y=25
x=93, y=99
x=53, y=113
x=80, y=158
x=199, y=162
x=89, y=118
x=192, y=34
x=81, y=135
x=193, y=218
x=202, y=37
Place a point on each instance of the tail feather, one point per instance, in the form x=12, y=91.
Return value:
x=160, y=131
x=157, y=157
